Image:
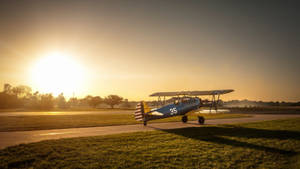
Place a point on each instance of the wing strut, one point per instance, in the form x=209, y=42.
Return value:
x=214, y=102
x=161, y=100
x=158, y=101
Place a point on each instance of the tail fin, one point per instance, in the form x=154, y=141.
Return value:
x=140, y=113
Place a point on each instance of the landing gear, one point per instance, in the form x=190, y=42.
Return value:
x=145, y=123
x=201, y=120
x=184, y=119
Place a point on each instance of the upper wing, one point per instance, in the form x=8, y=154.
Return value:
x=193, y=93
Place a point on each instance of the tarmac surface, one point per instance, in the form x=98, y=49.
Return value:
x=19, y=137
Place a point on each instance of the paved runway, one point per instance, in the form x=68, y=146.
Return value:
x=18, y=137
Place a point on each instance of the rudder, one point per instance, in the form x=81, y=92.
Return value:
x=140, y=111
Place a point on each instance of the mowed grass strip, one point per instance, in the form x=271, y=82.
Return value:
x=43, y=122
x=272, y=144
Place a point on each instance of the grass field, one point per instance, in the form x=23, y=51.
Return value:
x=42, y=122
x=272, y=144
x=65, y=110
x=267, y=109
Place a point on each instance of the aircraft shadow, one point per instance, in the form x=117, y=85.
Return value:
x=215, y=134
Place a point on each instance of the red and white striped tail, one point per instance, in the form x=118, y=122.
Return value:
x=139, y=112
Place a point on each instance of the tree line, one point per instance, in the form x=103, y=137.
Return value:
x=249, y=103
x=23, y=97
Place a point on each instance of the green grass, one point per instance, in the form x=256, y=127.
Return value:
x=42, y=122
x=272, y=144
x=64, y=110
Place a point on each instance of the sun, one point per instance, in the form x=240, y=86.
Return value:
x=58, y=73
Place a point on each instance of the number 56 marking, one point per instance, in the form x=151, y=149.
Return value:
x=173, y=111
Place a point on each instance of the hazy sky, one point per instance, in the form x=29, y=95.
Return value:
x=135, y=48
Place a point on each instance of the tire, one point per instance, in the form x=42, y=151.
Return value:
x=184, y=119
x=201, y=120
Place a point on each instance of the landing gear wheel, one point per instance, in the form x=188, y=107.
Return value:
x=145, y=123
x=184, y=119
x=201, y=120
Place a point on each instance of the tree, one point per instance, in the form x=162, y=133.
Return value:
x=113, y=100
x=21, y=91
x=73, y=102
x=126, y=103
x=95, y=101
x=8, y=99
x=34, y=101
x=87, y=99
x=61, y=101
x=7, y=88
x=47, y=101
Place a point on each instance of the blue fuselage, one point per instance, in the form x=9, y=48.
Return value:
x=180, y=108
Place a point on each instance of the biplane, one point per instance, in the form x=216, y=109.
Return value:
x=183, y=103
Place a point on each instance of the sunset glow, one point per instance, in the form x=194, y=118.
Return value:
x=143, y=47
x=56, y=73
x=149, y=84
